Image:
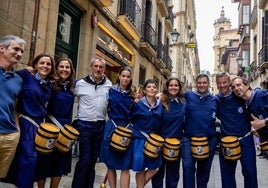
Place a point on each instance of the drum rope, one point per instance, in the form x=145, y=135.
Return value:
x=55, y=121
x=144, y=134
x=248, y=134
x=117, y=125
x=29, y=119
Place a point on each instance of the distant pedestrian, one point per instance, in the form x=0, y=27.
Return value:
x=11, y=50
x=92, y=93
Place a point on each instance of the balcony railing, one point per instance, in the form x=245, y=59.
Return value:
x=159, y=51
x=170, y=15
x=263, y=56
x=168, y=62
x=169, y=19
x=131, y=9
x=253, y=17
x=148, y=34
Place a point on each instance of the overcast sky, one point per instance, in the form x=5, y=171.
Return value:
x=207, y=11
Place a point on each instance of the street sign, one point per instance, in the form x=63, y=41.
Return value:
x=190, y=45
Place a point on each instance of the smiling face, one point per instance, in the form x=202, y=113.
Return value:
x=202, y=85
x=43, y=66
x=240, y=89
x=173, y=88
x=97, y=69
x=223, y=85
x=124, y=78
x=12, y=54
x=64, y=70
x=150, y=90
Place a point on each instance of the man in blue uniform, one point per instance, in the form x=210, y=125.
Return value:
x=199, y=122
x=11, y=49
x=235, y=121
x=256, y=102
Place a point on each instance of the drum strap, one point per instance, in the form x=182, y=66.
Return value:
x=144, y=134
x=248, y=134
x=116, y=125
x=55, y=121
x=29, y=119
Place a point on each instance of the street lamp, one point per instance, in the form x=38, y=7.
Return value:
x=240, y=61
x=174, y=38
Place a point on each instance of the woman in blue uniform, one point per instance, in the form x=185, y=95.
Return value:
x=32, y=106
x=120, y=100
x=60, y=107
x=171, y=127
x=145, y=117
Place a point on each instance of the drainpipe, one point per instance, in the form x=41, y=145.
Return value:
x=34, y=30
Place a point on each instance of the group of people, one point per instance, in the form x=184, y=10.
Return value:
x=28, y=97
x=32, y=95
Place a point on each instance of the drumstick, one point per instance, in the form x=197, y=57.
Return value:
x=138, y=90
x=103, y=184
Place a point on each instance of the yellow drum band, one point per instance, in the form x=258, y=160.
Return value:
x=200, y=148
x=45, y=137
x=231, y=148
x=153, y=145
x=121, y=138
x=67, y=136
x=171, y=149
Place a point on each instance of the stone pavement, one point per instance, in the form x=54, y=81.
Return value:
x=214, y=182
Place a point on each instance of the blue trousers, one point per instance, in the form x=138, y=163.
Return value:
x=192, y=167
x=89, y=147
x=172, y=172
x=248, y=164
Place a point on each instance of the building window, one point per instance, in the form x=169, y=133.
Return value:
x=245, y=55
x=265, y=29
x=246, y=14
x=142, y=75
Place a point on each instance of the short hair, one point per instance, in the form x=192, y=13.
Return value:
x=244, y=81
x=6, y=40
x=98, y=58
x=149, y=81
x=201, y=76
x=223, y=74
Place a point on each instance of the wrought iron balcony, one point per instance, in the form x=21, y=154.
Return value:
x=129, y=17
x=168, y=62
x=148, y=39
x=263, y=57
x=169, y=19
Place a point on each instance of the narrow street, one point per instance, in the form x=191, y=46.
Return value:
x=215, y=179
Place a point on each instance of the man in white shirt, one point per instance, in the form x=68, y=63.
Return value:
x=92, y=93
